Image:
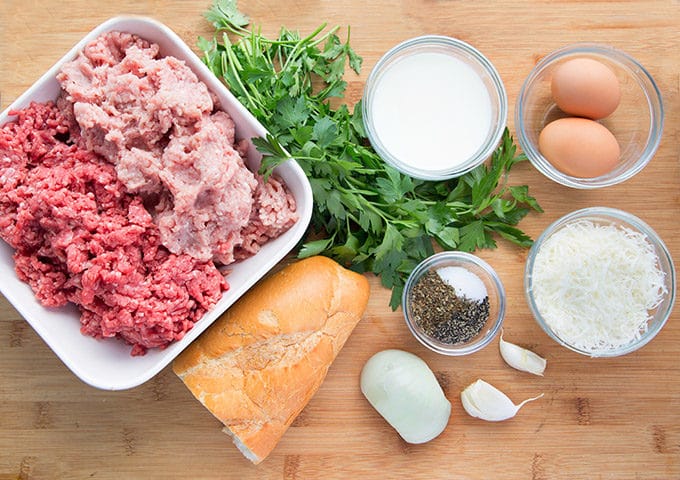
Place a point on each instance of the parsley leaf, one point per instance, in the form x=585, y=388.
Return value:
x=366, y=215
x=225, y=14
x=325, y=131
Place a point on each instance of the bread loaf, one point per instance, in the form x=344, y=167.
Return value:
x=262, y=361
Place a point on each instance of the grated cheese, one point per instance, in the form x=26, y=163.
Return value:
x=596, y=285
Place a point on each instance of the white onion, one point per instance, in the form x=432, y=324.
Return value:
x=403, y=389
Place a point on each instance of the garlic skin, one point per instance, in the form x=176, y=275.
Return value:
x=521, y=358
x=483, y=400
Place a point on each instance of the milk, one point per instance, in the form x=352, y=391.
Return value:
x=431, y=111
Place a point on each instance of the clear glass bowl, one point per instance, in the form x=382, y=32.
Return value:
x=472, y=58
x=495, y=292
x=619, y=218
x=637, y=123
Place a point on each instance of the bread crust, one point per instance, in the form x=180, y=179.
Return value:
x=261, y=362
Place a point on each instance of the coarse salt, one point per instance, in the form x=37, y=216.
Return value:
x=464, y=282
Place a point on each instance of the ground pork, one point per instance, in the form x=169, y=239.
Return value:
x=269, y=219
x=80, y=237
x=156, y=122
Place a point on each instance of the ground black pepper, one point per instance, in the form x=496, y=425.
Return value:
x=442, y=314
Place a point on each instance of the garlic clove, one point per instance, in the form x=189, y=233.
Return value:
x=469, y=405
x=521, y=358
x=483, y=400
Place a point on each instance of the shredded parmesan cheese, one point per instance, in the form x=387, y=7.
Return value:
x=597, y=285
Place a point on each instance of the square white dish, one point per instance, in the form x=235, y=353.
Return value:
x=107, y=364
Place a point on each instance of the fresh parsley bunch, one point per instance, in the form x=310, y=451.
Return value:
x=366, y=214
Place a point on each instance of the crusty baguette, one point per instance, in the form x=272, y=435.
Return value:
x=262, y=361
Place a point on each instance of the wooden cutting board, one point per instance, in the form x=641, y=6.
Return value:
x=599, y=419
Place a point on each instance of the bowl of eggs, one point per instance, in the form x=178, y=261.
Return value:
x=589, y=116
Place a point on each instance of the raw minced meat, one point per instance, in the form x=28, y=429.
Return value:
x=80, y=237
x=211, y=202
x=156, y=122
x=268, y=220
x=122, y=195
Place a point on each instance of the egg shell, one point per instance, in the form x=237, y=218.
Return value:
x=579, y=147
x=585, y=87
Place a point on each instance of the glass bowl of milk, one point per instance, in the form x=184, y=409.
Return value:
x=434, y=107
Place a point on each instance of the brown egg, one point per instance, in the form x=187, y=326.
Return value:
x=579, y=147
x=586, y=88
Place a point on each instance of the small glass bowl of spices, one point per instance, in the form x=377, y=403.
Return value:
x=454, y=303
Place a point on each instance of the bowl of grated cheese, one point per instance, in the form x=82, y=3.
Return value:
x=600, y=282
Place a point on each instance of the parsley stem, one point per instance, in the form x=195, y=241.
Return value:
x=300, y=43
x=323, y=38
x=231, y=65
x=461, y=207
x=251, y=92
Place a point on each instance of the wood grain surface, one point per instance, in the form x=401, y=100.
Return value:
x=599, y=419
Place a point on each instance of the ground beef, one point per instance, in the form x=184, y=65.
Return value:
x=80, y=237
x=156, y=122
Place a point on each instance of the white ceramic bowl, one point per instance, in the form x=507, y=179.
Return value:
x=107, y=364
